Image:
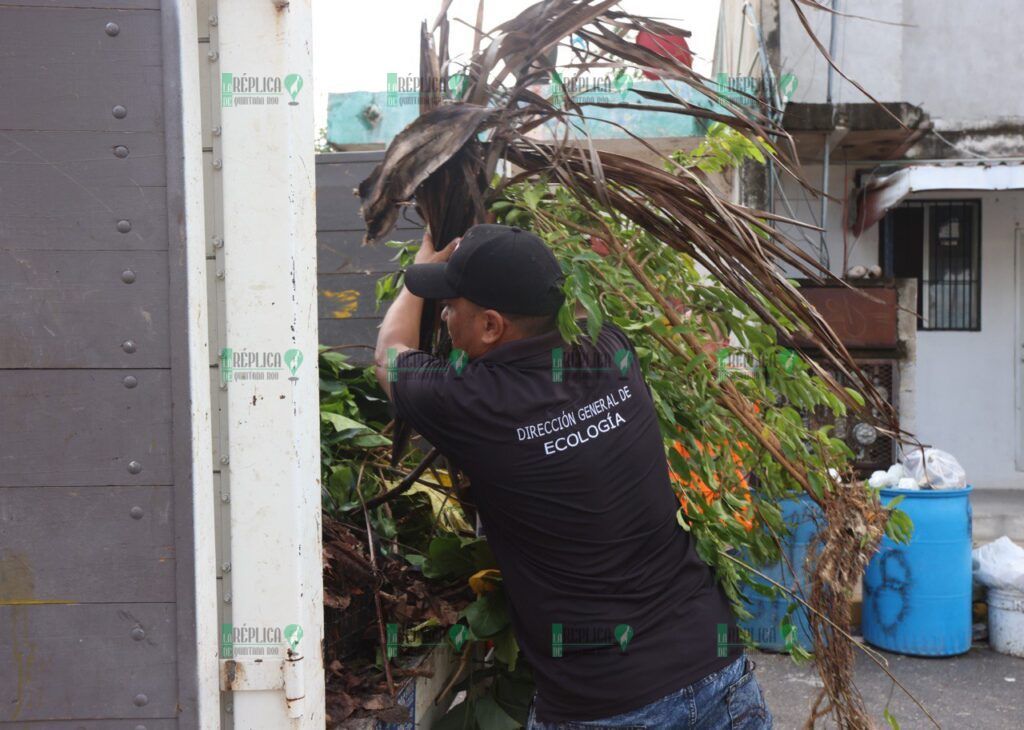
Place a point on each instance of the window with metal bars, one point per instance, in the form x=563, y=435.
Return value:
x=937, y=242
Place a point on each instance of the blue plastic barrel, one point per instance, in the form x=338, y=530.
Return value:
x=917, y=597
x=766, y=625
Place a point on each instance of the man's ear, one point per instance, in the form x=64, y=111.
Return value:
x=494, y=327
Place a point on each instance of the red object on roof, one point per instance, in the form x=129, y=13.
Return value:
x=668, y=46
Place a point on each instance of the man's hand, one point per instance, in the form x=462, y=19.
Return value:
x=427, y=254
x=400, y=330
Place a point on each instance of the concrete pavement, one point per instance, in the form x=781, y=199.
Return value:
x=979, y=690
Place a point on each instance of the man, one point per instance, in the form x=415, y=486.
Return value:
x=613, y=609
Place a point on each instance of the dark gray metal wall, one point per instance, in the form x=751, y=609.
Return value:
x=347, y=272
x=96, y=588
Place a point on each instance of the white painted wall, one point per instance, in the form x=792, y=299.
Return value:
x=964, y=395
x=959, y=61
x=965, y=401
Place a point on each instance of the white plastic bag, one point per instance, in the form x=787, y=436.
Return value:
x=999, y=564
x=935, y=468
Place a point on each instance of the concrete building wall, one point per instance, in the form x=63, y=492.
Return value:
x=864, y=50
x=963, y=396
x=959, y=62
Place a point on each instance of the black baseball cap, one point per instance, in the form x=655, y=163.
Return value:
x=498, y=267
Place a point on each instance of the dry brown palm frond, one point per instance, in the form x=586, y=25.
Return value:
x=445, y=161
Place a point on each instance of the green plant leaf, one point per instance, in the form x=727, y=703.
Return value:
x=490, y=716
x=487, y=615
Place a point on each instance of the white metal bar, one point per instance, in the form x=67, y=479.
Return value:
x=270, y=283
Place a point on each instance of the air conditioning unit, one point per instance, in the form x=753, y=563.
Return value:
x=872, y=449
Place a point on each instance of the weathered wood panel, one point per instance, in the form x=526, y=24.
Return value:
x=70, y=190
x=355, y=338
x=87, y=660
x=347, y=270
x=68, y=73
x=81, y=309
x=103, y=544
x=342, y=252
x=84, y=427
x=344, y=296
x=337, y=177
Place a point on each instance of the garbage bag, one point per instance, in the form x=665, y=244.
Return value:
x=934, y=468
x=999, y=564
x=907, y=483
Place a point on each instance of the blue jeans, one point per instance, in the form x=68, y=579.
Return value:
x=729, y=699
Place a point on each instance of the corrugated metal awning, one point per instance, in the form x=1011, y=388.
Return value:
x=880, y=194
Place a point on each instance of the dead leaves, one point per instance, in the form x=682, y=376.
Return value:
x=356, y=685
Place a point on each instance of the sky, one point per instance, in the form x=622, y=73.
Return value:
x=356, y=43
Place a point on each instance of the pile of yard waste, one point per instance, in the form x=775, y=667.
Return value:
x=357, y=684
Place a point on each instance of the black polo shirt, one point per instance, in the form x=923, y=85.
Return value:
x=567, y=464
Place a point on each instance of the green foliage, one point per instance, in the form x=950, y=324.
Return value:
x=721, y=148
x=353, y=411
x=711, y=455
x=388, y=286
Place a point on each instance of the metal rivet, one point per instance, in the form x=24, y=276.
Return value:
x=128, y=276
x=226, y=567
x=216, y=131
x=225, y=498
x=223, y=386
x=138, y=633
x=136, y=511
x=217, y=164
x=227, y=598
x=134, y=467
x=130, y=381
x=212, y=56
x=128, y=346
x=123, y=226
x=120, y=151
x=218, y=242
x=213, y=20
x=220, y=274
x=112, y=29
x=119, y=112
x=224, y=460
x=229, y=709
x=141, y=699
